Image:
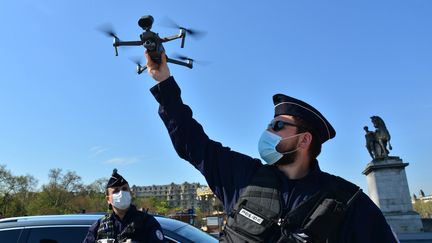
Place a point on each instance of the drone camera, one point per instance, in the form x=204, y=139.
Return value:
x=146, y=22
x=150, y=45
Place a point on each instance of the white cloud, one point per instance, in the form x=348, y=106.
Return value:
x=96, y=150
x=122, y=160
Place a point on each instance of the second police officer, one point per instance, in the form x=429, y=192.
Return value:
x=125, y=223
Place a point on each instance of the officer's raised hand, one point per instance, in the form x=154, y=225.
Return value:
x=158, y=72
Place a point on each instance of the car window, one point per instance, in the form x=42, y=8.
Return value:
x=10, y=235
x=57, y=234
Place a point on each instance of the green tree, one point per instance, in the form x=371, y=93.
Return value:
x=95, y=196
x=155, y=206
x=58, y=196
x=423, y=208
x=15, y=192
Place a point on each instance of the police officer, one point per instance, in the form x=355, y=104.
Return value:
x=287, y=200
x=125, y=223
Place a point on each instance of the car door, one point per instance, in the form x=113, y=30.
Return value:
x=12, y=235
x=56, y=234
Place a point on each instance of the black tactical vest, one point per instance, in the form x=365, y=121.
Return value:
x=133, y=230
x=258, y=215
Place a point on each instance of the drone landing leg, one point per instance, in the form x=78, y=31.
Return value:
x=140, y=69
x=186, y=64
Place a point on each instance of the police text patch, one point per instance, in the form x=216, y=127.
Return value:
x=251, y=216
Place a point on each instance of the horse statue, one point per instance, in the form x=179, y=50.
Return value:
x=382, y=137
x=371, y=142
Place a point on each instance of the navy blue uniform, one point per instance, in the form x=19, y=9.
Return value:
x=228, y=172
x=152, y=232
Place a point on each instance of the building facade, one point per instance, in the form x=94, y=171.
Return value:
x=183, y=195
x=208, y=202
x=422, y=197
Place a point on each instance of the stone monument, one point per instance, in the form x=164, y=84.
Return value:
x=387, y=181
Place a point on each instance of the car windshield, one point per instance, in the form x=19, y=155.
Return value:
x=195, y=234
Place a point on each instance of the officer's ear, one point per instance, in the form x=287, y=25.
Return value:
x=305, y=140
x=107, y=195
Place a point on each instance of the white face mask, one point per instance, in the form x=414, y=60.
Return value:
x=267, y=146
x=121, y=199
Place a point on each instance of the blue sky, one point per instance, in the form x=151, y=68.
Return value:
x=67, y=102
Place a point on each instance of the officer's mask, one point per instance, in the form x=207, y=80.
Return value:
x=119, y=197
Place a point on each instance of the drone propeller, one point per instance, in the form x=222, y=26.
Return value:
x=139, y=67
x=185, y=58
x=108, y=30
x=167, y=22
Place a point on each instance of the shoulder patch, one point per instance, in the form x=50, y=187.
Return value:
x=159, y=235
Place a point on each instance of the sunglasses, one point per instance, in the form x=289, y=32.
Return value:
x=279, y=125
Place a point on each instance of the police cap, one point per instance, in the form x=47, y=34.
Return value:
x=286, y=105
x=116, y=180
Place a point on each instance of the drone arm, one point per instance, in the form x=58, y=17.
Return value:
x=181, y=35
x=127, y=43
x=170, y=38
x=117, y=43
x=188, y=64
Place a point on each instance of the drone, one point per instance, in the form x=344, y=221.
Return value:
x=153, y=43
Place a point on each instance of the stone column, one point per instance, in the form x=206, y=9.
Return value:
x=388, y=188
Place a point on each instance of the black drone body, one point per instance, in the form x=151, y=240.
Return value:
x=153, y=43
